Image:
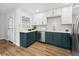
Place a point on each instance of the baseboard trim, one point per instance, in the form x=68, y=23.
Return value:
x=10, y=41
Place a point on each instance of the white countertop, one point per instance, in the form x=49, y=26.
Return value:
x=53, y=31
x=45, y=31
x=27, y=31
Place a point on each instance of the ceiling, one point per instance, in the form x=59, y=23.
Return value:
x=30, y=7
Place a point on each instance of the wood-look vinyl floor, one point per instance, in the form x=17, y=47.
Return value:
x=36, y=49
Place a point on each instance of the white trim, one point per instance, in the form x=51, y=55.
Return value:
x=16, y=44
x=2, y=38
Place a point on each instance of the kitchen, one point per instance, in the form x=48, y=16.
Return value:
x=38, y=24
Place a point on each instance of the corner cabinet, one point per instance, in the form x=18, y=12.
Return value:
x=27, y=39
x=39, y=19
x=58, y=39
x=67, y=15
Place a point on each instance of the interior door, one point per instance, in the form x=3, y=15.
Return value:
x=11, y=29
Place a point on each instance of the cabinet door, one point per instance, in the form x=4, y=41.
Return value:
x=57, y=39
x=36, y=19
x=64, y=40
x=67, y=15
x=23, y=40
x=53, y=38
x=67, y=43
x=57, y=12
x=49, y=13
x=30, y=37
x=34, y=36
x=48, y=37
x=39, y=19
x=69, y=40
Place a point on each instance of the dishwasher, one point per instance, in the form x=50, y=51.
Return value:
x=42, y=37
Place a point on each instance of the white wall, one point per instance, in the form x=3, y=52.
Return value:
x=2, y=26
x=17, y=16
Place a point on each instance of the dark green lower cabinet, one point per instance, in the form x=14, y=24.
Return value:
x=23, y=43
x=48, y=36
x=23, y=39
x=64, y=40
x=27, y=39
x=59, y=39
x=54, y=38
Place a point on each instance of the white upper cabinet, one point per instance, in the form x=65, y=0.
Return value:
x=67, y=15
x=49, y=13
x=57, y=12
x=39, y=19
x=54, y=12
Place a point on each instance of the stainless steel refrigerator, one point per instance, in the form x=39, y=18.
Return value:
x=75, y=34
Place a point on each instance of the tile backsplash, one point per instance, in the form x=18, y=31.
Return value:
x=41, y=27
x=61, y=28
x=55, y=24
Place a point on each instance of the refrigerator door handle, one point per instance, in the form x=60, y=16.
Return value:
x=77, y=36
